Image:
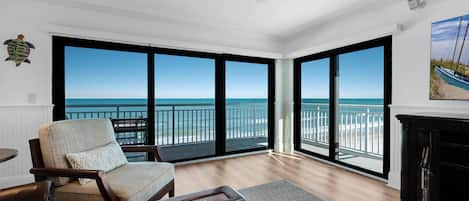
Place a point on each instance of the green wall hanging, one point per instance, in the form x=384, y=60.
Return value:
x=18, y=50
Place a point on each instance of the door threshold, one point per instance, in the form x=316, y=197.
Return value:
x=343, y=167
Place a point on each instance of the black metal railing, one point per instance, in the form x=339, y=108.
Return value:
x=177, y=124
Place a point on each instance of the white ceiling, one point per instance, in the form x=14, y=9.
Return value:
x=264, y=28
x=278, y=19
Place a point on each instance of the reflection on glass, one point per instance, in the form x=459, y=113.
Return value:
x=315, y=106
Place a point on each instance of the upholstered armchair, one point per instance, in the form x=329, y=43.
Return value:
x=138, y=181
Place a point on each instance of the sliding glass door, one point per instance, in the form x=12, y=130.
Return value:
x=185, y=106
x=342, y=113
x=247, y=106
x=361, y=108
x=175, y=99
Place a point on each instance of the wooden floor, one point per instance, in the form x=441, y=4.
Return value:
x=326, y=181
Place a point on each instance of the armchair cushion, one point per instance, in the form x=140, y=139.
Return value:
x=131, y=182
x=71, y=136
x=106, y=158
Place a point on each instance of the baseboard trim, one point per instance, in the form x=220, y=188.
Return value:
x=6, y=182
x=343, y=167
x=394, y=180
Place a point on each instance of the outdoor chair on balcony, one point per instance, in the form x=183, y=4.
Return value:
x=130, y=131
x=93, y=142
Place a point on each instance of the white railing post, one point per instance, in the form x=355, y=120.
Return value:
x=367, y=122
x=253, y=127
x=318, y=123
x=173, y=108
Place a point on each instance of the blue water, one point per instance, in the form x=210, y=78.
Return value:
x=108, y=104
x=94, y=101
x=354, y=101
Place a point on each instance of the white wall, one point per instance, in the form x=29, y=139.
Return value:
x=411, y=56
x=411, y=61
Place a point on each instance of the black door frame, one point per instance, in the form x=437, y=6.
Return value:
x=333, y=56
x=271, y=97
x=58, y=84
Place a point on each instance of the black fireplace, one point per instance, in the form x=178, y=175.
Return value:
x=435, y=157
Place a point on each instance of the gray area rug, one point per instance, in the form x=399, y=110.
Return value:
x=277, y=191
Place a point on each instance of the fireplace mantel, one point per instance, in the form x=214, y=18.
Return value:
x=434, y=149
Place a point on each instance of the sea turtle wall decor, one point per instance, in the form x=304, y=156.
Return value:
x=18, y=50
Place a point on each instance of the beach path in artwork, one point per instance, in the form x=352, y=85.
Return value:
x=451, y=92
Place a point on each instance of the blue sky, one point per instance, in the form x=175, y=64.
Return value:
x=315, y=79
x=361, y=75
x=184, y=77
x=93, y=73
x=246, y=80
x=444, y=34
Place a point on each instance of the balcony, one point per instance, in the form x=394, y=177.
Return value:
x=188, y=130
x=360, y=133
x=182, y=130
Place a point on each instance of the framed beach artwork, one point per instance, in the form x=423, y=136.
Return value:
x=449, y=66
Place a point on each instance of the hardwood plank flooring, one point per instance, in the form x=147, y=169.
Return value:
x=326, y=181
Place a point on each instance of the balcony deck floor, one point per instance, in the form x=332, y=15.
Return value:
x=357, y=160
x=197, y=150
x=187, y=151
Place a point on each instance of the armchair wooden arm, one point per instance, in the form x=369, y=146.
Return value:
x=153, y=150
x=97, y=175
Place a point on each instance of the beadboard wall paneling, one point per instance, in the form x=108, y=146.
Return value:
x=18, y=124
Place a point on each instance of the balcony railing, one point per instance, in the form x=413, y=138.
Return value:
x=360, y=127
x=177, y=124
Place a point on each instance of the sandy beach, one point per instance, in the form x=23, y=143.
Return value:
x=451, y=92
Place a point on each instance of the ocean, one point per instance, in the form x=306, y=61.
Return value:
x=142, y=101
